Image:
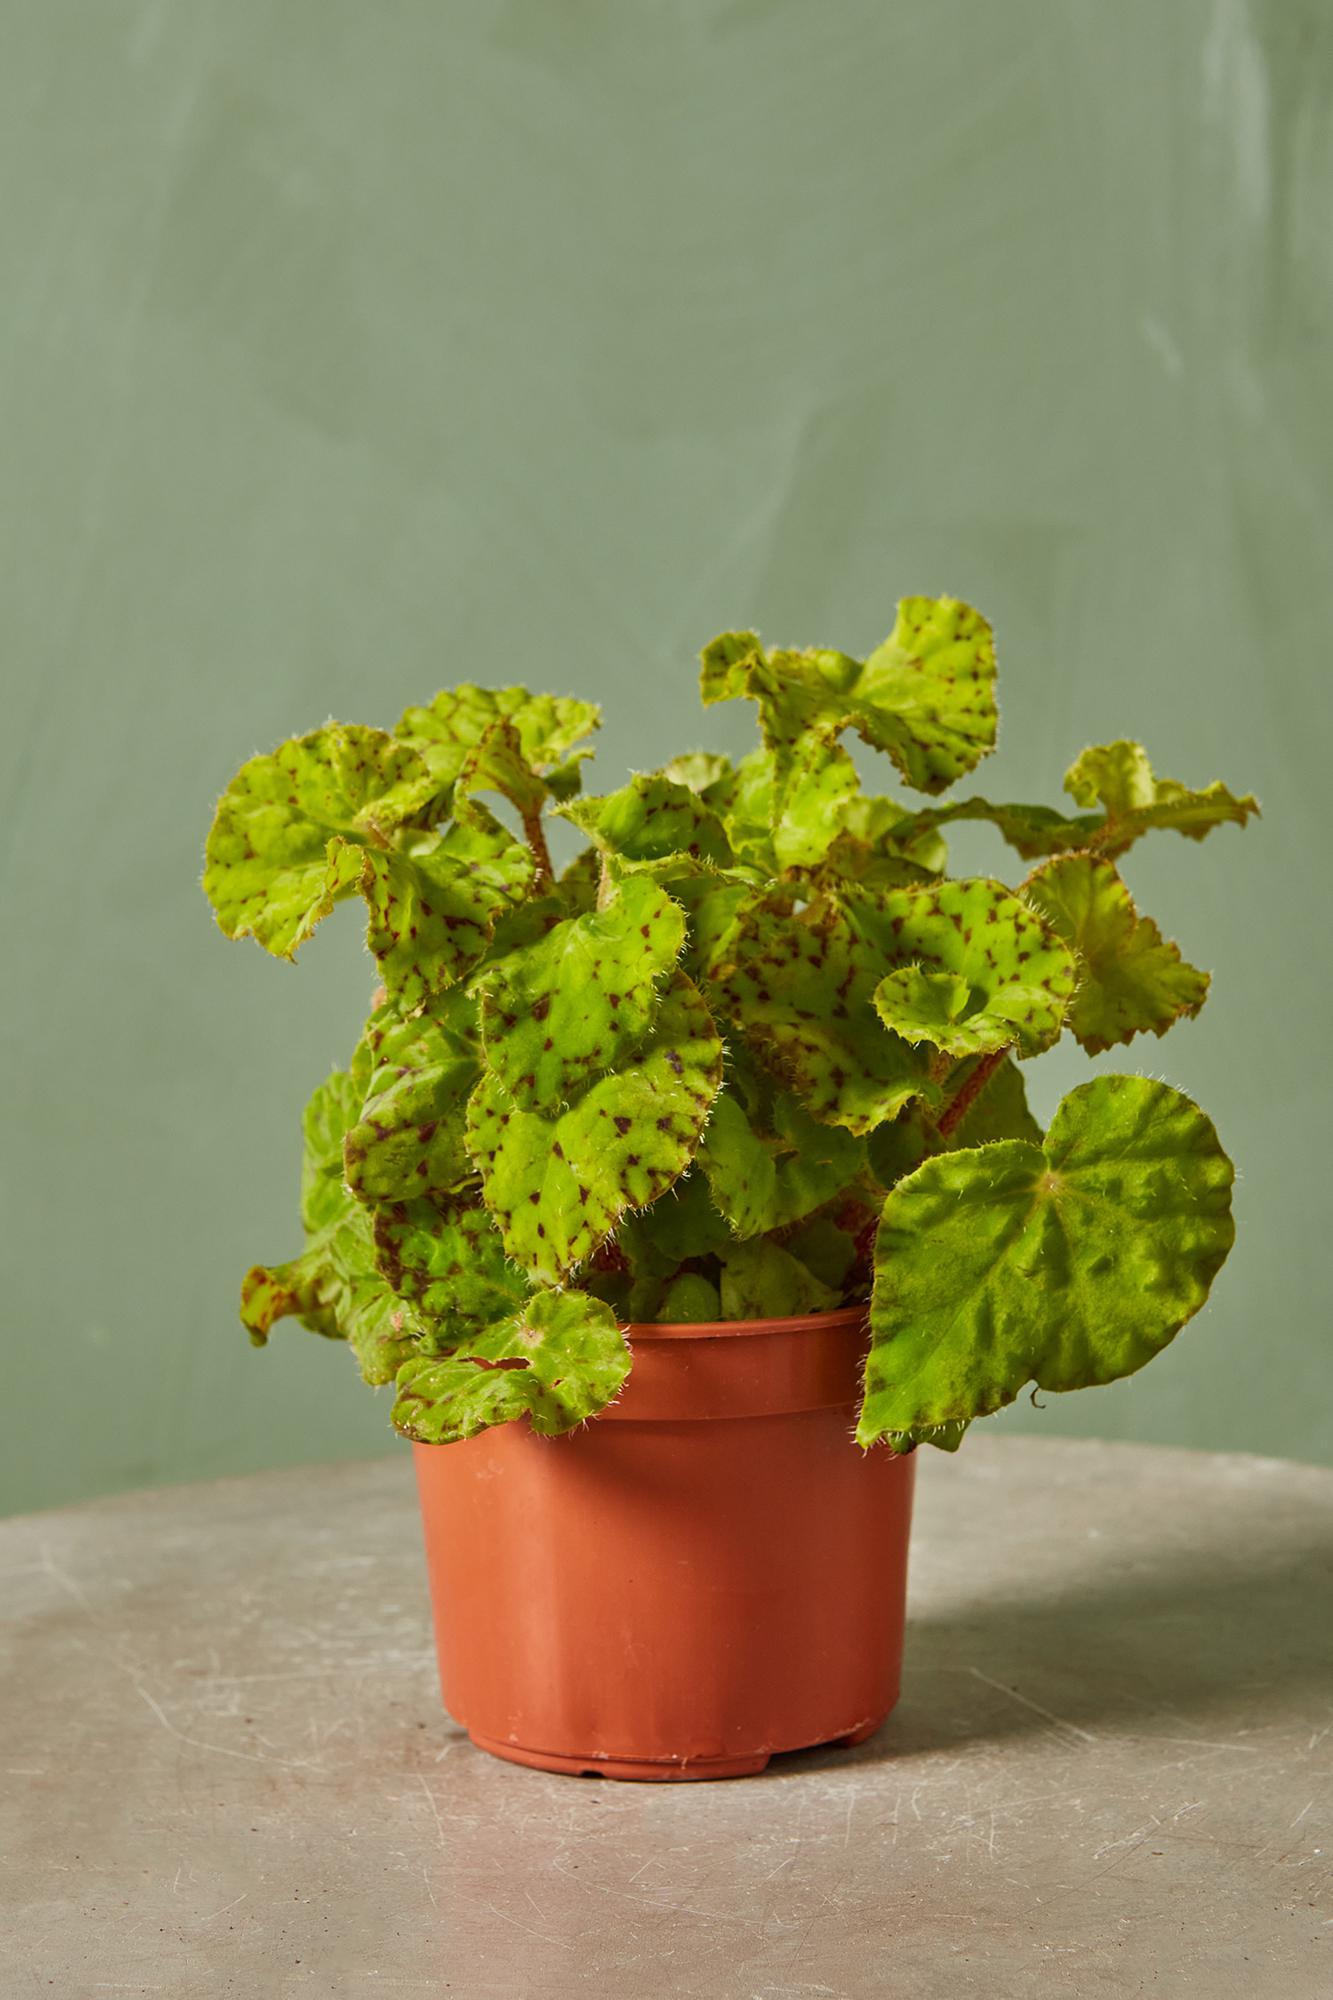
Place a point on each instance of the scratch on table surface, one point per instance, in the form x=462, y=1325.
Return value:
x=218, y=1749
x=545, y=1936
x=1058, y=1721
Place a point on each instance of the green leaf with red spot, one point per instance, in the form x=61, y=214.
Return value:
x=974, y=970
x=285, y=842
x=724, y=664
x=408, y=1137
x=1119, y=778
x=926, y=696
x=1067, y=1264
x=558, y=1182
x=435, y=899
x=558, y=1360
x=334, y=1287
x=799, y=986
x=570, y=1005
x=1030, y=830
x=650, y=819
x=549, y=727
x=1132, y=978
x=448, y=1262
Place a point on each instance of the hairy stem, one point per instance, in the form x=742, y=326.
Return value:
x=958, y=1107
x=535, y=835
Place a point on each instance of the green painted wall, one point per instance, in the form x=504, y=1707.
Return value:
x=346, y=350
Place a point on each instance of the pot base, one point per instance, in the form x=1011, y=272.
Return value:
x=657, y=1770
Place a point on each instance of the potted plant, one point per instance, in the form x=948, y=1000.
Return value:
x=716, y=1136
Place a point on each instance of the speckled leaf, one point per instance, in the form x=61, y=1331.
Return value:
x=744, y=800
x=1067, y=1265
x=567, y=1008
x=650, y=819
x=496, y=763
x=549, y=727
x=799, y=986
x=558, y=1360
x=273, y=867
x=434, y=901
x=1132, y=978
x=870, y=845
x=329, y=1115
x=334, y=1288
x=724, y=664
x=1031, y=831
x=557, y=1184
x=926, y=696
x=762, y=1181
x=408, y=1138
x=762, y=1280
x=819, y=784
x=1119, y=778
x=449, y=1263
x=976, y=970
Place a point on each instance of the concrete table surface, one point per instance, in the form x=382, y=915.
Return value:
x=225, y=1769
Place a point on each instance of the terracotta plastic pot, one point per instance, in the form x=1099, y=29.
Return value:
x=709, y=1572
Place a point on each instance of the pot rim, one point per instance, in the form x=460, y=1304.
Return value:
x=838, y=1319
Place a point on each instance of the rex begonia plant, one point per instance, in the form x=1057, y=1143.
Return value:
x=752, y=1053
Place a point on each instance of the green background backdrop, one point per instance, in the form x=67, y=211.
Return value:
x=348, y=350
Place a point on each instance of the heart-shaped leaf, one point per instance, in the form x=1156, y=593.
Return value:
x=558, y=1360
x=1132, y=978
x=1066, y=1264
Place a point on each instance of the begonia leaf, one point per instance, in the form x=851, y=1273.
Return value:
x=698, y=769
x=799, y=986
x=1066, y=1265
x=557, y=1182
x=449, y=1263
x=977, y=970
x=333, y=1287
x=1118, y=777
x=557, y=1361
x=1132, y=978
x=568, y=1007
x=690, y=1300
x=762, y=1181
x=762, y=1280
x=650, y=819
x=285, y=844
x=434, y=901
x=926, y=696
x=549, y=727
x=407, y=1140
x=724, y=664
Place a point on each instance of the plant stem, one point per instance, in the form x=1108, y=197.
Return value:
x=958, y=1107
x=535, y=835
